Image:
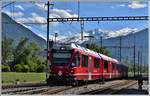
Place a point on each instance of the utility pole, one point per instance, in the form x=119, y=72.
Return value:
x=141, y=63
x=120, y=39
x=48, y=43
x=48, y=4
x=134, y=56
x=101, y=42
x=82, y=29
x=78, y=9
x=138, y=61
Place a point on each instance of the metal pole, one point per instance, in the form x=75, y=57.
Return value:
x=56, y=34
x=78, y=9
x=120, y=46
x=101, y=41
x=134, y=56
x=138, y=61
x=47, y=38
x=82, y=28
x=141, y=64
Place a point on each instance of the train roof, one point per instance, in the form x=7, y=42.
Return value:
x=88, y=51
x=99, y=55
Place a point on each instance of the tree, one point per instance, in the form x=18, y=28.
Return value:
x=98, y=49
x=20, y=51
x=25, y=68
x=23, y=57
x=5, y=68
x=26, y=53
x=18, y=68
x=7, y=50
x=40, y=68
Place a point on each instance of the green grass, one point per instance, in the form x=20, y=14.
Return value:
x=11, y=77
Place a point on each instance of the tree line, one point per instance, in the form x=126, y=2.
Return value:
x=23, y=57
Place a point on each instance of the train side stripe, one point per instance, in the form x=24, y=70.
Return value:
x=96, y=74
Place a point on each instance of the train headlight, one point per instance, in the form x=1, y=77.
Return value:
x=72, y=71
x=60, y=73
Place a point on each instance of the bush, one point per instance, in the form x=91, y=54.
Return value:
x=5, y=68
x=40, y=68
x=32, y=67
x=18, y=68
x=25, y=68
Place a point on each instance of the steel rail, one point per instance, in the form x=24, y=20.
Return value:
x=108, y=89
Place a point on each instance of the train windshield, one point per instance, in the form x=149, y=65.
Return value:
x=61, y=57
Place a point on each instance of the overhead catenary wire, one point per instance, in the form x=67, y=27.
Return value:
x=8, y=4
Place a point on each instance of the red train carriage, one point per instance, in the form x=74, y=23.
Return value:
x=73, y=63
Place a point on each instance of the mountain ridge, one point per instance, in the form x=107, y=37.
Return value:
x=16, y=31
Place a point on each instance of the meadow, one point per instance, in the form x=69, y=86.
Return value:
x=11, y=77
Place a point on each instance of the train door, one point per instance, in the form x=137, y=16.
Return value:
x=96, y=68
x=101, y=75
x=110, y=69
x=113, y=70
x=84, y=67
x=105, y=71
x=90, y=68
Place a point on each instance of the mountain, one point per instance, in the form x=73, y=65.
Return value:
x=127, y=43
x=112, y=34
x=16, y=31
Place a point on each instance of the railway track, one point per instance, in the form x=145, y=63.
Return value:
x=113, y=88
x=56, y=90
x=35, y=90
x=45, y=90
x=20, y=89
x=23, y=85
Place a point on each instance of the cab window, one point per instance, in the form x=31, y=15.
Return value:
x=76, y=61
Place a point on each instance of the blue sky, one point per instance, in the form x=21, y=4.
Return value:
x=36, y=12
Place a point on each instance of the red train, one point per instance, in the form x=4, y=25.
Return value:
x=73, y=64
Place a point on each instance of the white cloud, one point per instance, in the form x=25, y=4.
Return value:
x=34, y=18
x=121, y=5
x=38, y=18
x=112, y=7
x=41, y=6
x=14, y=14
x=20, y=7
x=136, y=5
x=61, y=13
x=57, y=13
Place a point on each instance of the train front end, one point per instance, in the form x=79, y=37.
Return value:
x=60, y=69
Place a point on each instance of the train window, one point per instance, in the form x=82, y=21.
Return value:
x=84, y=61
x=96, y=63
x=105, y=64
x=76, y=61
x=113, y=66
